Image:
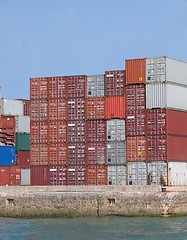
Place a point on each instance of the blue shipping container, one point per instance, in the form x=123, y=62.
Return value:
x=7, y=156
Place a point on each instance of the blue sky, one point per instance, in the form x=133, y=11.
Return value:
x=68, y=37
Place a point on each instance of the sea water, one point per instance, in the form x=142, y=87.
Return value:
x=94, y=228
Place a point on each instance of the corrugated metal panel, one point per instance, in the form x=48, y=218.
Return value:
x=96, y=153
x=76, y=109
x=116, y=152
x=11, y=107
x=116, y=130
x=57, y=132
x=95, y=108
x=157, y=148
x=115, y=107
x=95, y=85
x=76, y=86
x=25, y=176
x=26, y=107
x=137, y=173
x=38, y=88
x=39, y=175
x=39, y=154
x=58, y=175
x=136, y=123
x=156, y=121
x=161, y=69
x=176, y=148
x=76, y=131
x=15, y=176
x=76, y=154
x=39, y=110
x=22, y=141
x=57, y=154
x=57, y=109
x=76, y=175
x=96, y=131
x=135, y=97
x=4, y=176
x=135, y=71
x=177, y=173
x=7, y=156
x=115, y=83
x=57, y=87
x=117, y=175
x=157, y=173
x=96, y=175
x=39, y=132
x=166, y=95
x=23, y=124
x=136, y=149
x=23, y=158
x=7, y=130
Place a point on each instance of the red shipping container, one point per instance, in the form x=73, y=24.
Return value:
x=176, y=148
x=135, y=71
x=57, y=87
x=26, y=106
x=115, y=107
x=23, y=158
x=76, y=131
x=76, y=154
x=38, y=88
x=95, y=108
x=57, y=109
x=39, y=175
x=96, y=153
x=76, y=86
x=157, y=148
x=135, y=97
x=39, y=110
x=8, y=122
x=156, y=121
x=135, y=123
x=58, y=175
x=34, y=132
x=10, y=176
x=39, y=154
x=76, y=109
x=96, y=131
x=96, y=175
x=57, y=132
x=115, y=83
x=76, y=175
x=57, y=154
x=136, y=149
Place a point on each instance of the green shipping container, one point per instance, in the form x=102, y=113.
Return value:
x=22, y=142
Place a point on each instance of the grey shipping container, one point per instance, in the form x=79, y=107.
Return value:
x=25, y=176
x=166, y=95
x=95, y=85
x=157, y=173
x=164, y=69
x=116, y=130
x=23, y=124
x=116, y=152
x=117, y=175
x=11, y=107
x=137, y=173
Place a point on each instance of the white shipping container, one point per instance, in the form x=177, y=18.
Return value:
x=116, y=152
x=117, y=175
x=23, y=124
x=177, y=173
x=25, y=176
x=116, y=130
x=137, y=173
x=159, y=69
x=95, y=86
x=11, y=107
x=157, y=173
x=166, y=95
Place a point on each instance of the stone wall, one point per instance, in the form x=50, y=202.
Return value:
x=52, y=201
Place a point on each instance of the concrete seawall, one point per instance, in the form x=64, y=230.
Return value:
x=45, y=201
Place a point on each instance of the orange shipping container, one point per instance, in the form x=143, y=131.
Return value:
x=57, y=87
x=96, y=174
x=136, y=149
x=57, y=154
x=115, y=107
x=95, y=108
x=39, y=154
x=57, y=109
x=135, y=71
x=38, y=88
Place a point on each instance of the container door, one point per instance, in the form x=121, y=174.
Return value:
x=25, y=176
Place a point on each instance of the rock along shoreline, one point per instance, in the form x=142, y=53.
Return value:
x=79, y=201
